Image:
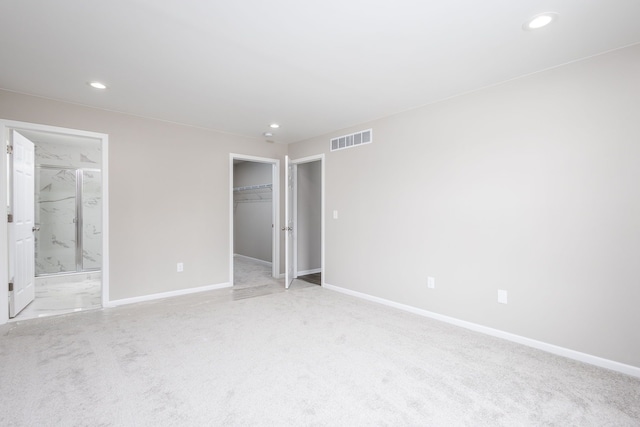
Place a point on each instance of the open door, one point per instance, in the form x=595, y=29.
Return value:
x=21, y=227
x=288, y=221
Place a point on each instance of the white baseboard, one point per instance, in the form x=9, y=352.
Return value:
x=261, y=261
x=550, y=348
x=313, y=271
x=162, y=295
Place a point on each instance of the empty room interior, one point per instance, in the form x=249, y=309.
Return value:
x=320, y=213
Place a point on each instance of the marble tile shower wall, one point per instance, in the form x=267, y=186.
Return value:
x=55, y=212
x=92, y=211
x=56, y=206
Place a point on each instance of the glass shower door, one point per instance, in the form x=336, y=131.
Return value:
x=56, y=215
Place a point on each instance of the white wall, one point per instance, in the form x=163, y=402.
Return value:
x=309, y=216
x=530, y=186
x=169, y=193
x=252, y=222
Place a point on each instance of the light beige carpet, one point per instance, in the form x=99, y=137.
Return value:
x=307, y=356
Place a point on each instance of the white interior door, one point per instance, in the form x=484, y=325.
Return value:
x=288, y=223
x=21, y=229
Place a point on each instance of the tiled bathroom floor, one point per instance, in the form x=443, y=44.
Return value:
x=64, y=294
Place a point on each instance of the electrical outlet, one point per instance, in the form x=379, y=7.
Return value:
x=335, y=214
x=180, y=267
x=502, y=296
x=431, y=282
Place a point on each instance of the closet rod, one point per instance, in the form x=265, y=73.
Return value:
x=252, y=187
x=253, y=201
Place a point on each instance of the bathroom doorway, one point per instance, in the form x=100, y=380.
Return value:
x=68, y=227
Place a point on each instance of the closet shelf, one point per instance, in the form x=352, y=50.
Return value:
x=252, y=187
x=252, y=193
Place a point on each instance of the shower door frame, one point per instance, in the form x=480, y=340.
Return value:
x=78, y=220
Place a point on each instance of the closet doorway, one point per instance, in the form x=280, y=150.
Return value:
x=308, y=218
x=307, y=206
x=65, y=265
x=254, y=201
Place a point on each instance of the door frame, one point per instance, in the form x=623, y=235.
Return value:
x=5, y=127
x=275, y=210
x=295, y=163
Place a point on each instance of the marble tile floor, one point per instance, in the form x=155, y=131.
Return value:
x=62, y=294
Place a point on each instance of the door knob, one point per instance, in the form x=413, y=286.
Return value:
x=287, y=229
x=35, y=228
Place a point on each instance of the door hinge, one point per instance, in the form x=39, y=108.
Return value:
x=9, y=217
x=9, y=149
x=10, y=286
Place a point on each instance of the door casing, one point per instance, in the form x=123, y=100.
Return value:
x=295, y=163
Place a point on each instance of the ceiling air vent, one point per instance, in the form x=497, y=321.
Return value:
x=352, y=140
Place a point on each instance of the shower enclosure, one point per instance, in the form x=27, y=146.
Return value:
x=68, y=220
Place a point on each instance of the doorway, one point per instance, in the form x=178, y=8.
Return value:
x=254, y=210
x=308, y=219
x=308, y=213
x=69, y=204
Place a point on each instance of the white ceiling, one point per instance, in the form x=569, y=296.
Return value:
x=312, y=66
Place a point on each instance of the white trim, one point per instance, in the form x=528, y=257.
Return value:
x=275, y=210
x=105, y=221
x=275, y=206
x=313, y=271
x=288, y=222
x=294, y=217
x=4, y=238
x=308, y=159
x=324, y=210
x=550, y=348
x=5, y=125
x=261, y=261
x=162, y=295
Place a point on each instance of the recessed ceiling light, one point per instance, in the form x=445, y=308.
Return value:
x=274, y=126
x=268, y=134
x=540, y=20
x=97, y=85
